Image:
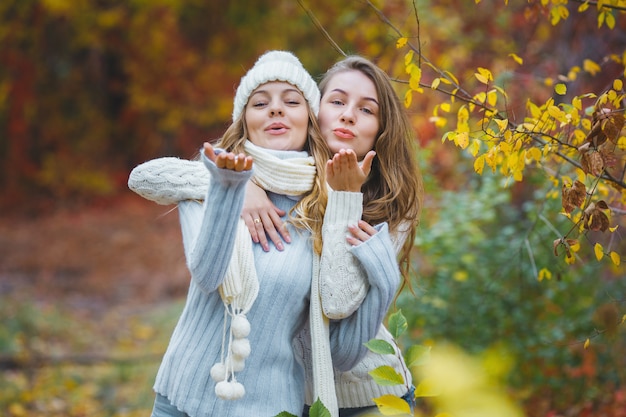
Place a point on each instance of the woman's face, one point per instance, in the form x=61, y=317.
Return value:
x=349, y=112
x=277, y=117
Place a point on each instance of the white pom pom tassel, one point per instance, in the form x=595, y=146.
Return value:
x=240, y=348
x=240, y=327
x=229, y=390
x=238, y=390
x=218, y=372
x=224, y=390
x=237, y=364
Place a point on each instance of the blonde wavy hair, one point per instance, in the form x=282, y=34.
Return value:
x=394, y=189
x=308, y=213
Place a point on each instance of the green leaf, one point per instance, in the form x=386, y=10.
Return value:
x=380, y=346
x=385, y=375
x=318, y=409
x=285, y=414
x=417, y=355
x=397, y=324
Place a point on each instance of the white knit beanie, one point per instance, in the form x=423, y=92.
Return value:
x=276, y=66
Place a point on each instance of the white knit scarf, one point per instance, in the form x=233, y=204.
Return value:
x=293, y=177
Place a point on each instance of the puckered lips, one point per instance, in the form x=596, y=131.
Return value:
x=276, y=129
x=344, y=133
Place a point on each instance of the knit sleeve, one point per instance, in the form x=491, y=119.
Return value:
x=343, y=283
x=378, y=258
x=209, y=233
x=169, y=180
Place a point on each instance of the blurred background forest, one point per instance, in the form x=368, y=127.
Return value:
x=92, y=278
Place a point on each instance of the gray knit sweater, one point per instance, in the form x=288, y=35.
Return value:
x=273, y=377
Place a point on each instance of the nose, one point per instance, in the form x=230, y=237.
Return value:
x=348, y=116
x=276, y=108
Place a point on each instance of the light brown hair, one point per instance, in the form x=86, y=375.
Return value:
x=394, y=190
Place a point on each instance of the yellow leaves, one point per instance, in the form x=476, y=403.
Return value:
x=544, y=274
x=390, y=405
x=557, y=113
x=483, y=75
x=415, y=78
x=587, y=343
x=618, y=84
x=408, y=98
x=583, y=6
x=502, y=124
x=479, y=164
x=560, y=89
x=427, y=388
x=615, y=258
x=408, y=59
x=460, y=139
x=577, y=103
x=461, y=383
x=558, y=13
x=598, y=251
x=460, y=276
x=591, y=67
x=401, y=42
x=606, y=16
x=534, y=154
x=516, y=58
x=462, y=120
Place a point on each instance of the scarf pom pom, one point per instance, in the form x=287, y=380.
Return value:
x=241, y=348
x=237, y=364
x=240, y=327
x=218, y=372
x=229, y=390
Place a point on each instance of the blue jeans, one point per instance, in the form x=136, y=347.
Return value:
x=163, y=408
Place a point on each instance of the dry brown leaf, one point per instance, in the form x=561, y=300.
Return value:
x=573, y=196
x=594, y=218
x=592, y=163
x=612, y=126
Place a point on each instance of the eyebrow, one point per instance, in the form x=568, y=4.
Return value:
x=339, y=90
x=287, y=90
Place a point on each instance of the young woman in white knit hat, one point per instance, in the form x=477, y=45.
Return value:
x=232, y=351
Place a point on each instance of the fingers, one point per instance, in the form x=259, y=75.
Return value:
x=360, y=233
x=209, y=151
x=366, y=164
x=262, y=226
x=228, y=160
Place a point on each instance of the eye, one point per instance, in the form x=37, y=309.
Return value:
x=336, y=102
x=259, y=104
